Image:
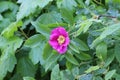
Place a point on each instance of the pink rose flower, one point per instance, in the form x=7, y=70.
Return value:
x=59, y=39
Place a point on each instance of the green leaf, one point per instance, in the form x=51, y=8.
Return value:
x=67, y=8
x=25, y=67
x=54, y=25
x=109, y=74
x=69, y=65
x=36, y=43
x=28, y=78
x=75, y=71
x=110, y=30
x=7, y=5
x=16, y=77
x=101, y=51
x=55, y=75
x=84, y=26
x=9, y=31
x=10, y=15
x=66, y=75
x=92, y=68
x=117, y=1
x=74, y=48
x=49, y=18
x=13, y=42
x=98, y=78
x=43, y=29
x=44, y=21
x=116, y=76
x=81, y=3
x=52, y=60
x=110, y=58
x=34, y=40
x=100, y=71
x=86, y=77
x=36, y=54
x=8, y=59
x=47, y=51
x=117, y=53
x=7, y=62
x=67, y=16
x=71, y=59
x=28, y=7
x=96, y=42
x=4, y=23
x=68, y=4
x=1, y=17
x=80, y=44
x=59, y=3
x=83, y=56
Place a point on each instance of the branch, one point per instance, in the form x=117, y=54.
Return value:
x=23, y=33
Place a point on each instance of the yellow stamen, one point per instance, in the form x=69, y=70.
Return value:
x=61, y=39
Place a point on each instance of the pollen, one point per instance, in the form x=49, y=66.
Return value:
x=61, y=39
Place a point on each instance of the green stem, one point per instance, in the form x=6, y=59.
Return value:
x=23, y=33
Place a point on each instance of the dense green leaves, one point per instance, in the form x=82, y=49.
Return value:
x=55, y=75
x=9, y=31
x=34, y=40
x=67, y=8
x=7, y=5
x=36, y=43
x=44, y=21
x=93, y=27
x=68, y=4
x=41, y=29
x=29, y=7
x=7, y=62
x=51, y=60
x=109, y=30
x=71, y=59
x=80, y=44
x=52, y=17
x=8, y=59
x=84, y=26
x=67, y=16
x=25, y=67
x=66, y=74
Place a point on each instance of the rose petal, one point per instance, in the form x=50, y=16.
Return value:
x=55, y=31
x=54, y=36
x=62, y=50
x=63, y=32
x=53, y=43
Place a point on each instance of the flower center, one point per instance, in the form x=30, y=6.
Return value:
x=61, y=39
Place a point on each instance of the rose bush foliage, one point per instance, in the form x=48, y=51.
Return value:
x=59, y=39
